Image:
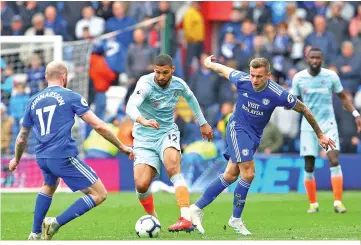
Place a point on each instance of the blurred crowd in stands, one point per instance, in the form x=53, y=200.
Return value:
x=280, y=31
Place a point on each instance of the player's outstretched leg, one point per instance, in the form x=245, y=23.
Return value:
x=212, y=191
x=310, y=183
x=240, y=195
x=172, y=165
x=94, y=195
x=42, y=205
x=184, y=223
x=336, y=181
x=143, y=175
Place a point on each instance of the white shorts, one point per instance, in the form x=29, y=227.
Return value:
x=151, y=152
x=309, y=145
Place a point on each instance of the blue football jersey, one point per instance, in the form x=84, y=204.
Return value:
x=254, y=108
x=51, y=115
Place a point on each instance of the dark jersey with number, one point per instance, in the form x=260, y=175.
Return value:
x=51, y=115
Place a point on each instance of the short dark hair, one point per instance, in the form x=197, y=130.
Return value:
x=163, y=60
x=260, y=62
x=315, y=49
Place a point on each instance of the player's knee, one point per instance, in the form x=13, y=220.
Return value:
x=248, y=175
x=141, y=186
x=309, y=164
x=309, y=168
x=100, y=197
x=229, y=177
x=103, y=196
x=48, y=189
x=333, y=162
x=171, y=171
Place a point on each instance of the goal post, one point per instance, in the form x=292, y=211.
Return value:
x=55, y=42
x=17, y=54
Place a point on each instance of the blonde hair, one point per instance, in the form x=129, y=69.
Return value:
x=260, y=62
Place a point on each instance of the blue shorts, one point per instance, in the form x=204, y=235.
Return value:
x=75, y=173
x=239, y=145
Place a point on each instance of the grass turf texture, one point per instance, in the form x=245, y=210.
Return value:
x=267, y=216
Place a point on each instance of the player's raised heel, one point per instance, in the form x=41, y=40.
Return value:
x=181, y=225
x=196, y=215
x=35, y=236
x=340, y=208
x=313, y=208
x=238, y=226
x=50, y=227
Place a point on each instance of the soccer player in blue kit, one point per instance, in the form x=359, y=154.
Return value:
x=51, y=115
x=257, y=98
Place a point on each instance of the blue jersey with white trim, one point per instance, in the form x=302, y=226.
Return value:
x=51, y=115
x=254, y=108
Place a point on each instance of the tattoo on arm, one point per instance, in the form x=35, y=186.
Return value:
x=306, y=112
x=21, y=142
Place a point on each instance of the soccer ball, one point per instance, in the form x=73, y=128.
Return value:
x=148, y=226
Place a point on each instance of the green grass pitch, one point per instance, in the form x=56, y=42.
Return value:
x=267, y=216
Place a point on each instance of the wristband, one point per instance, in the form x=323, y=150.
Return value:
x=355, y=113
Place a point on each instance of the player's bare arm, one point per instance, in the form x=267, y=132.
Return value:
x=324, y=140
x=101, y=128
x=222, y=70
x=349, y=106
x=21, y=142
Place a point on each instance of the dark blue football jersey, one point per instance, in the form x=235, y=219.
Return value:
x=51, y=115
x=254, y=108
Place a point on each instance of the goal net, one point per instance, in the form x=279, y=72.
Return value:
x=18, y=57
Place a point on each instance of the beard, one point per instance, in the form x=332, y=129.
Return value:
x=315, y=68
x=163, y=83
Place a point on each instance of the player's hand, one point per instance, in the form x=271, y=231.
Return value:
x=355, y=140
x=209, y=60
x=151, y=123
x=128, y=150
x=207, y=132
x=13, y=164
x=131, y=155
x=326, y=142
x=358, y=124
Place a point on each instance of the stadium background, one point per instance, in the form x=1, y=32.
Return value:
x=109, y=45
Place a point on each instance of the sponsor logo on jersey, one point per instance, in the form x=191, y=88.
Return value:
x=265, y=101
x=156, y=104
x=176, y=93
x=316, y=90
x=245, y=95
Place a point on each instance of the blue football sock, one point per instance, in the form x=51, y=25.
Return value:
x=212, y=191
x=240, y=195
x=42, y=205
x=78, y=208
